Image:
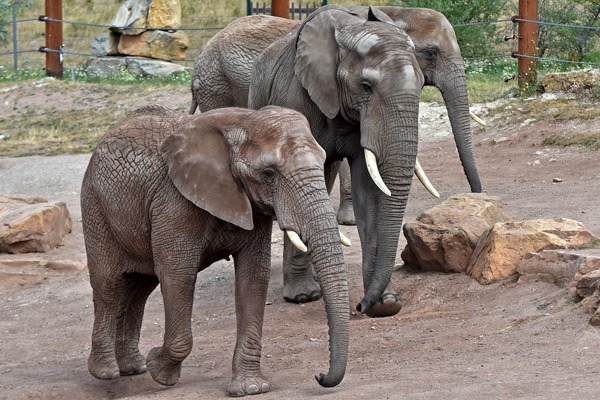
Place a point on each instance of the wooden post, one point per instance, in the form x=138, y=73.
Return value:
x=54, y=39
x=280, y=8
x=528, y=42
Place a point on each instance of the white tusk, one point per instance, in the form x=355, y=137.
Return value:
x=424, y=180
x=344, y=240
x=295, y=239
x=477, y=119
x=374, y=172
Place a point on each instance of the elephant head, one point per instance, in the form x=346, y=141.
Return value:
x=439, y=58
x=358, y=82
x=267, y=162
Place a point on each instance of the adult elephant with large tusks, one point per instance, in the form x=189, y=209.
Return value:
x=439, y=57
x=358, y=82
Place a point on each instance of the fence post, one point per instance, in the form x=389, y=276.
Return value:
x=54, y=39
x=528, y=43
x=280, y=8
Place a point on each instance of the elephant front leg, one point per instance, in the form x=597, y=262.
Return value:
x=345, y=215
x=252, y=273
x=164, y=363
x=299, y=284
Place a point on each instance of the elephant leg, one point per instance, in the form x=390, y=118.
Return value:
x=129, y=323
x=108, y=290
x=177, y=286
x=345, y=215
x=102, y=363
x=251, y=284
x=299, y=284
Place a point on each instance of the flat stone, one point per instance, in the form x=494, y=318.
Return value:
x=32, y=225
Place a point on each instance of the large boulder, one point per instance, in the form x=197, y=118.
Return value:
x=153, y=68
x=164, y=14
x=155, y=44
x=444, y=237
x=106, y=67
x=32, y=224
x=504, y=245
x=106, y=44
x=131, y=18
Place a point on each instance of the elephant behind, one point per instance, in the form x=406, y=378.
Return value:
x=167, y=194
x=278, y=79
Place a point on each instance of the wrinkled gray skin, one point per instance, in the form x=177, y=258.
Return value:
x=439, y=57
x=165, y=195
x=358, y=82
x=234, y=67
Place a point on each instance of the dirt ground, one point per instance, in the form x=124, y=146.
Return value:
x=453, y=339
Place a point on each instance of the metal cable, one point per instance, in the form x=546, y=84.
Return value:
x=483, y=23
x=592, y=28
x=46, y=19
x=515, y=55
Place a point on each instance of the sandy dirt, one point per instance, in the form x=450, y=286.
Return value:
x=453, y=339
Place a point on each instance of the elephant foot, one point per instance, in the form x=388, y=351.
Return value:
x=345, y=215
x=242, y=386
x=103, y=368
x=388, y=305
x=302, y=291
x=134, y=364
x=304, y=298
x=162, y=369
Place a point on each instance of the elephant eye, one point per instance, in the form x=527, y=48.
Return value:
x=367, y=89
x=269, y=174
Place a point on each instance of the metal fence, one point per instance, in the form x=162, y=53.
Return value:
x=70, y=52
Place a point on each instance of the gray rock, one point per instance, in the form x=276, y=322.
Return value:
x=107, y=67
x=106, y=44
x=153, y=68
x=131, y=18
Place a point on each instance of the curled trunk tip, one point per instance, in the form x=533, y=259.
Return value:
x=327, y=380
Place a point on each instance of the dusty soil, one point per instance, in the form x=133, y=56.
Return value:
x=453, y=338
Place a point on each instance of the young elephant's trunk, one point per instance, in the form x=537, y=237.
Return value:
x=327, y=258
x=321, y=235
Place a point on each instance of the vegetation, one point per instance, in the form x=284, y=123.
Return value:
x=78, y=130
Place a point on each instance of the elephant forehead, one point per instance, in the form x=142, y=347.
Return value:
x=366, y=42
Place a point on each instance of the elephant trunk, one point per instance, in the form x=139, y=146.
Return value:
x=396, y=152
x=454, y=91
x=320, y=232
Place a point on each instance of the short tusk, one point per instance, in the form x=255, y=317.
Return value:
x=374, y=172
x=344, y=240
x=295, y=239
x=424, y=180
x=477, y=119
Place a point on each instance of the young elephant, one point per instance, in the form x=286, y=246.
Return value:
x=167, y=194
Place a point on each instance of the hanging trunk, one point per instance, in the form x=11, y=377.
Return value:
x=454, y=90
x=319, y=230
x=394, y=142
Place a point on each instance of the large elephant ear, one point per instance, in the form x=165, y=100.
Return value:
x=199, y=162
x=376, y=14
x=317, y=53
